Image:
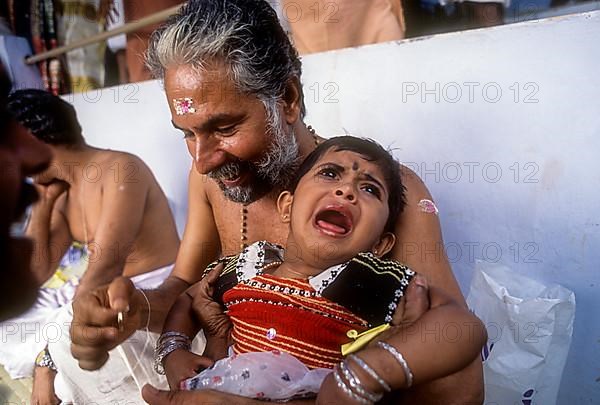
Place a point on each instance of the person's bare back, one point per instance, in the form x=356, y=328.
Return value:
x=117, y=188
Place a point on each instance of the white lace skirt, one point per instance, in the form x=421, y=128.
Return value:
x=275, y=376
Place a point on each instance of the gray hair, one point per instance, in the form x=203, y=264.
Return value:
x=243, y=35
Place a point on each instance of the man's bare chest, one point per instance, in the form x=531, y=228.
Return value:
x=240, y=224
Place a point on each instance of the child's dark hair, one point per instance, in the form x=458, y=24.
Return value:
x=49, y=118
x=371, y=151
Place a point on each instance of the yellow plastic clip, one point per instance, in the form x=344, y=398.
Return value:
x=362, y=339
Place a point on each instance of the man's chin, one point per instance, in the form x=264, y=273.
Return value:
x=245, y=194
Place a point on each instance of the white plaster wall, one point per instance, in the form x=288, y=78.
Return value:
x=515, y=176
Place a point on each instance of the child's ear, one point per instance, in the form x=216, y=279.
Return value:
x=385, y=244
x=284, y=206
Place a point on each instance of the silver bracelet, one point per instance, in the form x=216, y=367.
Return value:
x=362, y=364
x=45, y=360
x=342, y=385
x=167, y=343
x=173, y=334
x=356, y=385
x=400, y=359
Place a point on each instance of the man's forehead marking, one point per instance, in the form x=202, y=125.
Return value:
x=184, y=105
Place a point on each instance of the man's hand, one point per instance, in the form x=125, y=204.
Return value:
x=180, y=365
x=49, y=192
x=95, y=330
x=414, y=304
x=210, y=313
x=155, y=397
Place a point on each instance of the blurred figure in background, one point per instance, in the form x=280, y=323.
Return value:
x=323, y=25
x=21, y=155
x=137, y=42
x=107, y=201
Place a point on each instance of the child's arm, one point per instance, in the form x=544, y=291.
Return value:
x=181, y=364
x=192, y=311
x=443, y=340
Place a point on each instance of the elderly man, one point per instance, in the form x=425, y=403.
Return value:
x=232, y=80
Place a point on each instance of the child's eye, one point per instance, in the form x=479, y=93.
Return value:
x=188, y=135
x=328, y=172
x=371, y=189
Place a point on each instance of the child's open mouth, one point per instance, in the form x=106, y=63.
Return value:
x=334, y=221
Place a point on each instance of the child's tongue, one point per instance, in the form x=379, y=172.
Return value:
x=330, y=227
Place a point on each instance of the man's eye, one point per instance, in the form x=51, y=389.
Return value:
x=226, y=130
x=188, y=135
x=371, y=189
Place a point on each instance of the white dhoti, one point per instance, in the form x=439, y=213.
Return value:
x=27, y=335
x=23, y=337
x=127, y=370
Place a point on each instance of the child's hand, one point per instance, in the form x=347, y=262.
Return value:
x=181, y=365
x=210, y=314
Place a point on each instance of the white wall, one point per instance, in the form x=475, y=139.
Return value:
x=515, y=175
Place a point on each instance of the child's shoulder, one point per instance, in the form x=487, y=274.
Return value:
x=369, y=286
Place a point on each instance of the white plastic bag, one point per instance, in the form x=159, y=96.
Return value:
x=529, y=333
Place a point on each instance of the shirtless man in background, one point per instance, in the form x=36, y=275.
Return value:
x=107, y=200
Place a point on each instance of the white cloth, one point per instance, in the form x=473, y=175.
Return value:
x=274, y=376
x=27, y=335
x=128, y=368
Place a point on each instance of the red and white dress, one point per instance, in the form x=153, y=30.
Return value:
x=288, y=332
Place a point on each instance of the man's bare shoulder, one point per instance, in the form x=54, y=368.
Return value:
x=121, y=168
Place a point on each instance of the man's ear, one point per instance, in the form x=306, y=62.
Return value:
x=385, y=244
x=284, y=206
x=292, y=100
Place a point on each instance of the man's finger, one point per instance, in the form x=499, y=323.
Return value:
x=120, y=292
x=93, y=365
x=88, y=310
x=89, y=355
x=93, y=336
x=155, y=397
x=214, y=274
x=416, y=301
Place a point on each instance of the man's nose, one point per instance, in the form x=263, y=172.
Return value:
x=207, y=156
x=34, y=155
x=346, y=191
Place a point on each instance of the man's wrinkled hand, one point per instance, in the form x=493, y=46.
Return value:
x=95, y=329
x=210, y=314
x=155, y=397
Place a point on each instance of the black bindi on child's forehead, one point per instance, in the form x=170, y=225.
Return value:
x=355, y=166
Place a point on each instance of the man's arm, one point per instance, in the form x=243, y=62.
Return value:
x=49, y=230
x=118, y=227
x=428, y=353
x=419, y=242
x=419, y=245
x=199, y=247
x=94, y=314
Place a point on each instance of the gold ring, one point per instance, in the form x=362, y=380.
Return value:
x=120, y=321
